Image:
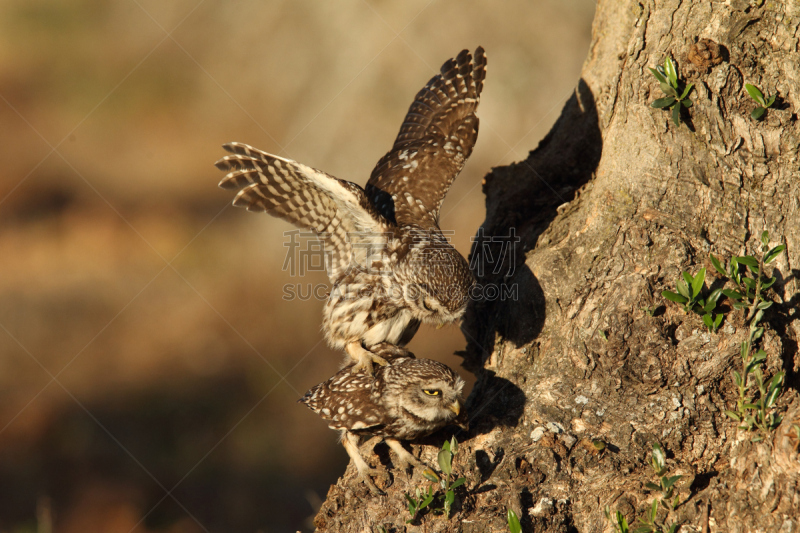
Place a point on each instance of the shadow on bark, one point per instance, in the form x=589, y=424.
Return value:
x=522, y=200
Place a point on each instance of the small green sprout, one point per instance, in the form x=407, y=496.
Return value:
x=667, y=484
x=425, y=499
x=760, y=99
x=756, y=414
x=676, y=97
x=449, y=449
x=749, y=292
x=649, y=524
x=618, y=521
x=418, y=503
x=513, y=522
x=690, y=290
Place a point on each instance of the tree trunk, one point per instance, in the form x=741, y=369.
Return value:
x=611, y=207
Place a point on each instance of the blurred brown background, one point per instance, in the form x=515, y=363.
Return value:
x=149, y=368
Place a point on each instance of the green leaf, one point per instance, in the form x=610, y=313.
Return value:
x=755, y=93
x=657, y=74
x=445, y=458
x=430, y=475
x=676, y=115
x=689, y=281
x=513, y=521
x=659, y=458
x=654, y=511
x=738, y=305
x=668, y=90
x=772, y=254
x=764, y=305
x=717, y=265
x=643, y=529
x=748, y=260
x=714, y=296
x=776, y=380
x=717, y=321
x=673, y=527
x=669, y=295
x=669, y=68
x=449, y=498
x=732, y=294
x=737, y=378
x=412, y=503
x=663, y=102
x=765, y=237
x=771, y=101
x=772, y=397
x=683, y=287
x=757, y=438
x=750, y=283
x=686, y=92
x=687, y=103
x=708, y=321
x=767, y=284
x=733, y=415
x=652, y=486
x=669, y=482
x=697, y=283
x=453, y=445
x=757, y=113
x=457, y=483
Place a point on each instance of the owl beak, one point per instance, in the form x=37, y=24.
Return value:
x=439, y=326
x=455, y=407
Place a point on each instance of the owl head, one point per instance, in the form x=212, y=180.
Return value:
x=440, y=285
x=424, y=389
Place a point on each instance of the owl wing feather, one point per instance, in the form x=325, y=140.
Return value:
x=338, y=211
x=345, y=402
x=409, y=183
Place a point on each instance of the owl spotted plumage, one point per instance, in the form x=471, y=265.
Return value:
x=405, y=400
x=389, y=263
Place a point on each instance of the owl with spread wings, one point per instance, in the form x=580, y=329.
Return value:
x=390, y=266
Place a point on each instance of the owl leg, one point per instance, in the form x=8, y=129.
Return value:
x=350, y=443
x=407, y=458
x=363, y=358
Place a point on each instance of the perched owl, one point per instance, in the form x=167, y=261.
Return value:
x=405, y=400
x=389, y=263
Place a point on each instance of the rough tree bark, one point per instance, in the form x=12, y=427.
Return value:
x=614, y=203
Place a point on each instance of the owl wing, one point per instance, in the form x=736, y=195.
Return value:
x=408, y=185
x=346, y=401
x=337, y=211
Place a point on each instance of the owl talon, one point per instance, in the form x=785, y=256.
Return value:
x=350, y=443
x=407, y=459
x=363, y=358
x=370, y=484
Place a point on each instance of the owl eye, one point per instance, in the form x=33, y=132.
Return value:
x=426, y=305
x=432, y=392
